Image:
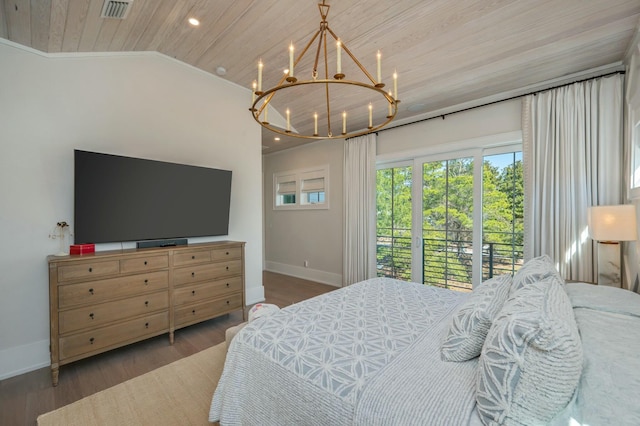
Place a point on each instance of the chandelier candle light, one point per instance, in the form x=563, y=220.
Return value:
x=321, y=108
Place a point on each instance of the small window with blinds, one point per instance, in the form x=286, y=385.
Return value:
x=312, y=188
x=301, y=189
x=286, y=189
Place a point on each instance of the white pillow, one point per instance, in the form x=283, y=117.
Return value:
x=535, y=270
x=470, y=324
x=531, y=361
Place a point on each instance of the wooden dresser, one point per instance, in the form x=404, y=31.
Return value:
x=110, y=299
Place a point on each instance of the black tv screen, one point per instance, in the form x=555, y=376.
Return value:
x=132, y=199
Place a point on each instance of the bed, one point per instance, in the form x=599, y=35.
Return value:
x=527, y=349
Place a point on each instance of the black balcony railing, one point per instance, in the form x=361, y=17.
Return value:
x=446, y=263
x=393, y=256
x=500, y=259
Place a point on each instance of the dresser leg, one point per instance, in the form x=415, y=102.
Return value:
x=171, y=337
x=54, y=374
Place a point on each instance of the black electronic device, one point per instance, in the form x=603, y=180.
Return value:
x=121, y=199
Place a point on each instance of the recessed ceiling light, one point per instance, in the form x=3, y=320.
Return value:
x=276, y=139
x=221, y=71
x=194, y=22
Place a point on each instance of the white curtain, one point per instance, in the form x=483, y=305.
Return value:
x=359, y=209
x=572, y=147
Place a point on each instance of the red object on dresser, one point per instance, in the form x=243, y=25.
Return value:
x=82, y=248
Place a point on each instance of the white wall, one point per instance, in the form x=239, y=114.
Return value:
x=293, y=236
x=142, y=105
x=317, y=235
x=422, y=137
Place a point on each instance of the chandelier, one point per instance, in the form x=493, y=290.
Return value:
x=325, y=97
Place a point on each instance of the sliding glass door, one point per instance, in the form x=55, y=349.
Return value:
x=394, y=221
x=502, y=214
x=467, y=223
x=447, y=223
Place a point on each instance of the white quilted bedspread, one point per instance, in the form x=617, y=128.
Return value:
x=364, y=354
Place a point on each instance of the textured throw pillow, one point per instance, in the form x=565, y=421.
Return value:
x=470, y=324
x=535, y=270
x=532, y=358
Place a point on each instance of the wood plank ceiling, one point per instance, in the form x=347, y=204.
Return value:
x=447, y=53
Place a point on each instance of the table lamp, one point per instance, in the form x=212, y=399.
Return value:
x=608, y=225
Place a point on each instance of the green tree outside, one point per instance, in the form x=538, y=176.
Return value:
x=447, y=229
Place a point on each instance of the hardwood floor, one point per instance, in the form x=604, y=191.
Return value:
x=23, y=398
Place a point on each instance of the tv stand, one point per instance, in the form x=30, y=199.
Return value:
x=173, y=242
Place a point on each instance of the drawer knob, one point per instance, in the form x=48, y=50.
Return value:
x=193, y=257
x=227, y=268
x=227, y=284
x=227, y=253
x=227, y=302
x=91, y=290
x=91, y=315
x=193, y=292
x=193, y=311
x=146, y=325
x=91, y=340
x=193, y=274
x=90, y=269
x=146, y=303
x=146, y=281
x=145, y=262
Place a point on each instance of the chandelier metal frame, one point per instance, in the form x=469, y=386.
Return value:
x=263, y=98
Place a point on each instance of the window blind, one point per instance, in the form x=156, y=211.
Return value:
x=313, y=185
x=286, y=185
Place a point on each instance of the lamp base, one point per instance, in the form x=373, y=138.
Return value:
x=609, y=264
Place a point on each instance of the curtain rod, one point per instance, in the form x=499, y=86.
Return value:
x=503, y=100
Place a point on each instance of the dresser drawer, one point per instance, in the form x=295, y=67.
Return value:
x=94, y=340
x=109, y=299
x=106, y=313
x=191, y=257
x=103, y=290
x=201, y=311
x=88, y=270
x=207, y=290
x=224, y=254
x=142, y=264
x=207, y=272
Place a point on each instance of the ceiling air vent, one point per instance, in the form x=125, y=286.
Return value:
x=116, y=9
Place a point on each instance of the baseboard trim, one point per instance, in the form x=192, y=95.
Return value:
x=23, y=359
x=323, y=277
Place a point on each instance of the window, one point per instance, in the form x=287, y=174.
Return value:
x=447, y=222
x=393, y=237
x=312, y=188
x=302, y=189
x=502, y=214
x=451, y=219
x=285, y=190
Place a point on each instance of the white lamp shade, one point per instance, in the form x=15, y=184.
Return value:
x=612, y=223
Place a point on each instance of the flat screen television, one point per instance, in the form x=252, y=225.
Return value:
x=118, y=199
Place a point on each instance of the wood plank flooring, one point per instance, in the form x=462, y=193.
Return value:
x=23, y=398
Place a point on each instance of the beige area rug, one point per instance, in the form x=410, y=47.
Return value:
x=176, y=394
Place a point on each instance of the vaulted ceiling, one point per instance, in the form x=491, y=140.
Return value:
x=448, y=54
